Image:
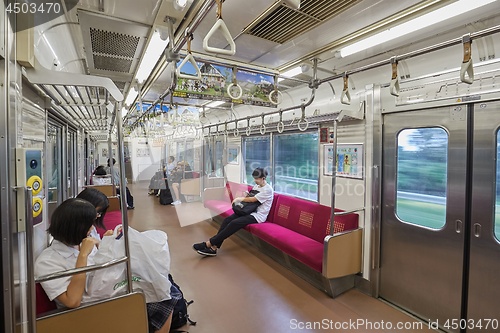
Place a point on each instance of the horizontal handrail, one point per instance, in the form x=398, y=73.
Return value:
x=75, y=271
x=349, y=211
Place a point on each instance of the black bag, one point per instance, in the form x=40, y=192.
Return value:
x=180, y=317
x=166, y=197
x=246, y=208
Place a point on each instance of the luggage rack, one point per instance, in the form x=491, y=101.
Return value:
x=87, y=100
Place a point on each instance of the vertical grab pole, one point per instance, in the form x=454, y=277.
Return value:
x=30, y=262
x=334, y=176
x=123, y=192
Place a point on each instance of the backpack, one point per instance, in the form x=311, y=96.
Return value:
x=246, y=208
x=180, y=317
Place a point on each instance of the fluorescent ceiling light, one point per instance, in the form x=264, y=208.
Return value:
x=124, y=112
x=214, y=104
x=295, y=4
x=290, y=73
x=132, y=95
x=421, y=22
x=155, y=49
x=180, y=4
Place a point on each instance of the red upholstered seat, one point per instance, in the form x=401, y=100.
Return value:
x=43, y=303
x=304, y=249
x=111, y=220
x=219, y=207
x=295, y=226
x=238, y=189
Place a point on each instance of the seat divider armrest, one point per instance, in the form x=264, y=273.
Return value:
x=190, y=186
x=342, y=254
x=214, y=193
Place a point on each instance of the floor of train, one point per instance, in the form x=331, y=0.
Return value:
x=243, y=290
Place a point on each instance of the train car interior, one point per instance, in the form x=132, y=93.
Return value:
x=377, y=124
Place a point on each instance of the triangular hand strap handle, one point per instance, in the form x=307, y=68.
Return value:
x=345, y=97
x=189, y=57
x=220, y=24
x=468, y=69
x=394, y=87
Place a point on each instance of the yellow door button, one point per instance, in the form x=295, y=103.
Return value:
x=37, y=206
x=35, y=183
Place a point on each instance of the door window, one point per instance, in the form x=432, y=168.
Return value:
x=421, y=180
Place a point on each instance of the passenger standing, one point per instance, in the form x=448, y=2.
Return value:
x=234, y=222
x=116, y=179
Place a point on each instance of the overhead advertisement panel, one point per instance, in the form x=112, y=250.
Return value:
x=215, y=80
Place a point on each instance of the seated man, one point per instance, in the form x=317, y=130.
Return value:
x=234, y=222
x=181, y=171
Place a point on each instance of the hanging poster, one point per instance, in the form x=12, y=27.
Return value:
x=215, y=80
x=349, y=160
x=232, y=155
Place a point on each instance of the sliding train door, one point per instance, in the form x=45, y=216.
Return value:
x=440, y=232
x=484, y=267
x=424, y=211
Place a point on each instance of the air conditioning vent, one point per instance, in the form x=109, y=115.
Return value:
x=284, y=23
x=112, y=64
x=112, y=43
x=113, y=46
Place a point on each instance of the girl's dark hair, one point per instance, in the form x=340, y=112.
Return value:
x=259, y=173
x=99, y=200
x=71, y=221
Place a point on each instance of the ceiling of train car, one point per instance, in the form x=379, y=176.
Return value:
x=270, y=36
x=268, y=33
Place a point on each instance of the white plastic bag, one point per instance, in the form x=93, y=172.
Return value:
x=150, y=262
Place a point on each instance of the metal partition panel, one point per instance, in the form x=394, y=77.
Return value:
x=421, y=266
x=483, y=293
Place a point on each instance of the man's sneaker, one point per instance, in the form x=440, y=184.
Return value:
x=177, y=202
x=208, y=252
x=200, y=246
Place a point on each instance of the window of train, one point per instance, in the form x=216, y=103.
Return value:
x=257, y=152
x=422, y=164
x=209, y=158
x=296, y=164
x=185, y=152
x=219, y=151
x=214, y=149
x=497, y=199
